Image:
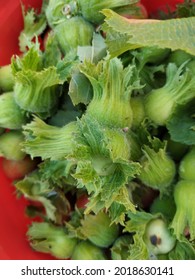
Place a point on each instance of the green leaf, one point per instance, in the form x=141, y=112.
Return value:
x=80, y=89
x=29, y=61
x=34, y=25
x=121, y=246
x=183, y=250
x=115, y=182
x=181, y=125
x=51, y=54
x=174, y=33
x=86, y=176
x=117, y=43
x=33, y=188
x=112, y=186
x=108, y=191
x=118, y=145
x=151, y=55
x=120, y=205
x=95, y=52
x=117, y=213
x=93, y=134
x=186, y=9
x=63, y=117
x=50, y=209
x=58, y=172
x=66, y=67
x=137, y=224
x=138, y=251
x=137, y=221
x=74, y=224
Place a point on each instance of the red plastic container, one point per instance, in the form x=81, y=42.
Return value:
x=13, y=222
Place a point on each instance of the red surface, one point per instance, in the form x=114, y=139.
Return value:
x=154, y=5
x=10, y=25
x=13, y=222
